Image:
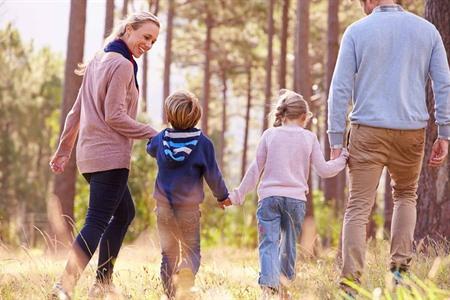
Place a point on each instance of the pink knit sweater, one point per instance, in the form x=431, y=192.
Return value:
x=282, y=164
x=104, y=116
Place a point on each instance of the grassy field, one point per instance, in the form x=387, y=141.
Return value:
x=226, y=273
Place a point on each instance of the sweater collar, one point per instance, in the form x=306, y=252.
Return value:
x=119, y=46
x=388, y=8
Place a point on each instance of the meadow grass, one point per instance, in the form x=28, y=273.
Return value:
x=225, y=273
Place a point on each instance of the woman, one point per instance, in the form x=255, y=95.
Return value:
x=103, y=117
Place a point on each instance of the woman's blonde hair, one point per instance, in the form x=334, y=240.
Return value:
x=135, y=20
x=290, y=106
x=182, y=109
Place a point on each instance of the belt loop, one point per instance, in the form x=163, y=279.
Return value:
x=358, y=125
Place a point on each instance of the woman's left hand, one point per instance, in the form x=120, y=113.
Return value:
x=57, y=164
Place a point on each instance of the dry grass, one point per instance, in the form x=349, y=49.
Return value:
x=226, y=273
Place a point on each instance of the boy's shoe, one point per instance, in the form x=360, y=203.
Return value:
x=104, y=291
x=269, y=293
x=184, y=285
x=59, y=293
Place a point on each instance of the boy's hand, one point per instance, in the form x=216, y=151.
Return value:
x=225, y=203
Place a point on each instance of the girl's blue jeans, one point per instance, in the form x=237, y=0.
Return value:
x=280, y=221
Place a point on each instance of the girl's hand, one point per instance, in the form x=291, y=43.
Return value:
x=57, y=164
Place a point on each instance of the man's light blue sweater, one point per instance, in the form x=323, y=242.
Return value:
x=383, y=65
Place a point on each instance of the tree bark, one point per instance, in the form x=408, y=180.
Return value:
x=207, y=72
x=388, y=207
x=247, y=120
x=302, y=72
x=224, y=121
x=283, y=44
x=269, y=62
x=168, y=56
x=109, y=18
x=433, y=206
x=125, y=8
x=62, y=201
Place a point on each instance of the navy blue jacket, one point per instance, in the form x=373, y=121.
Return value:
x=184, y=158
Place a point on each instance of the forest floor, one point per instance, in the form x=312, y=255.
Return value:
x=225, y=273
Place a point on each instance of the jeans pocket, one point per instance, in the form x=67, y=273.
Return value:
x=267, y=209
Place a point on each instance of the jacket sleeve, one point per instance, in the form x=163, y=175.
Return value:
x=71, y=126
x=440, y=75
x=212, y=173
x=253, y=174
x=329, y=168
x=116, y=108
x=341, y=89
x=152, y=145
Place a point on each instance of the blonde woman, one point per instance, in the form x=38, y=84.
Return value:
x=282, y=166
x=104, y=119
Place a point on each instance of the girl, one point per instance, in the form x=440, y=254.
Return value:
x=282, y=162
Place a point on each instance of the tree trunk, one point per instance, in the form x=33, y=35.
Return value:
x=224, y=121
x=62, y=201
x=388, y=207
x=302, y=84
x=168, y=56
x=125, y=8
x=247, y=120
x=144, y=91
x=207, y=73
x=302, y=72
x=269, y=62
x=109, y=18
x=433, y=206
x=283, y=44
x=333, y=187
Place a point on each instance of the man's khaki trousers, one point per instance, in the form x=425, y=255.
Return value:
x=372, y=148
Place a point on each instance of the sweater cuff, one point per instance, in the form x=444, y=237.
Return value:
x=223, y=198
x=336, y=139
x=444, y=132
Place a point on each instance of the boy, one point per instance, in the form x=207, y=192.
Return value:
x=184, y=156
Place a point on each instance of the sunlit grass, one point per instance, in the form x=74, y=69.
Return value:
x=226, y=273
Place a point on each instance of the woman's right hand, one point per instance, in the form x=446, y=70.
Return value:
x=57, y=164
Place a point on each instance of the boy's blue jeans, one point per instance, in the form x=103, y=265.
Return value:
x=178, y=229
x=280, y=221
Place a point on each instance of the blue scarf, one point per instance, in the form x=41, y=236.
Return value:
x=120, y=47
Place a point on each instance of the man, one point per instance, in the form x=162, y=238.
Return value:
x=383, y=66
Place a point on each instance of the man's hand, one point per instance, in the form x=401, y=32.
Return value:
x=335, y=153
x=225, y=203
x=439, y=152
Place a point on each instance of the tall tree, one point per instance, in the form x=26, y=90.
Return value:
x=168, y=54
x=388, y=206
x=283, y=44
x=125, y=8
x=334, y=187
x=269, y=62
x=247, y=119
x=62, y=200
x=209, y=22
x=109, y=18
x=302, y=85
x=433, y=192
x=153, y=7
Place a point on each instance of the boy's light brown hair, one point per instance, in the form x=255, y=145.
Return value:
x=182, y=109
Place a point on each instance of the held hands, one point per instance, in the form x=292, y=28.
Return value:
x=439, y=152
x=225, y=203
x=335, y=153
x=57, y=164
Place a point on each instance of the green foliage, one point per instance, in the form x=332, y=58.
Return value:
x=30, y=95
x=328, y=223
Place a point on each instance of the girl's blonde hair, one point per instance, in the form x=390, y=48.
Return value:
x=182, y=109
x=135, y=20
x=290, y=106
